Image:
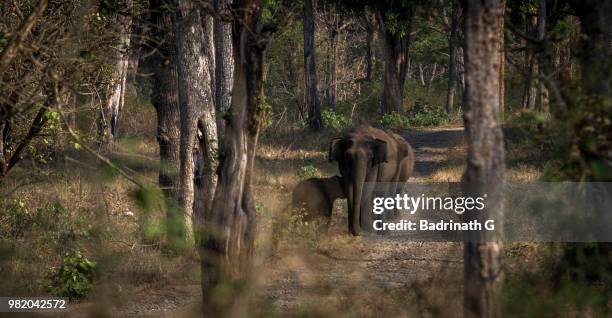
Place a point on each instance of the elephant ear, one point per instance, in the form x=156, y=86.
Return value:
x=335, y=150
x=379, y=151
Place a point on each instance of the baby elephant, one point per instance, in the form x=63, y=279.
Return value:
x=317, y=195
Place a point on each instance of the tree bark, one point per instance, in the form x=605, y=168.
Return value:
x=596, y=47
x=396, y=62
x=531, y=89
x=227, y=250
x=195, y=95
x=115, y=96
x=206, y=154
x=371, y=40
x=502, y=61
x=453, y=43
x=330, y=87
x=315, y=122
x=421, y=75
x=485, y=172
x=224, y=64
x=10, y=51
x=164, y=96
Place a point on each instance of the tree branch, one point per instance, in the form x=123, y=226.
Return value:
x=10, y=51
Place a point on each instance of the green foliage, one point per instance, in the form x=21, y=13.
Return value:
x=17, y=220
x=335, y=121
x=53, y=222
x=578, y=281
x=74, y=278
x=429, y=45
x=425, y=115
x=265, y=113
x=394, y=120
x=309, y=171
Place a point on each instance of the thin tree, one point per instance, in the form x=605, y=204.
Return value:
x=108, y=119
x=371, y=41
x=453, y=42
x=502, y=60
x=315, y=122
x=485, y=172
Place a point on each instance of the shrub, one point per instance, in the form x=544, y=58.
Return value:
x=309, y=171
x=17, y=220
x=433, y=118
x=74, y=278
x=394, y=120
x=335, y=121
x=52, y=220
x=424, y=114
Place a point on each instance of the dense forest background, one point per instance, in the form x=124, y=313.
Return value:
x=148, y=150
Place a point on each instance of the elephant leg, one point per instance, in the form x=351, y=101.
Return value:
x=366, y=218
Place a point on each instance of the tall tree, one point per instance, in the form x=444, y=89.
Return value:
x=227, y=249
x=543, y=58
x=165, y=98
x=196, y=99
x=371, y=41
x=315, y=122
x=115, y=95
x=453, y=42
x=485, y=172
x=395, y=21
x=502, y=60
x=595, y=47
x=531, y=61
x=224, y=61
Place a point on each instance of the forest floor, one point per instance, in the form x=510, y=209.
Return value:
x=338, y=275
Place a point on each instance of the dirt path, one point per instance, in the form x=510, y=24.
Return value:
x=390, y=276
x=377, y=272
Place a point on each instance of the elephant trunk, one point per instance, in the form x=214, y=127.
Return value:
x=359, y=173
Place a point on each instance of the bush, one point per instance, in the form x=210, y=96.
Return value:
x=419, y=116
x=424, y=114
x=309, y=171
x=17, y=220
x=52, y=220
x=335, y=121
x=74, y=278
x=394, y=120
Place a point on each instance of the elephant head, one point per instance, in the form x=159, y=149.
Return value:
x=359, y=156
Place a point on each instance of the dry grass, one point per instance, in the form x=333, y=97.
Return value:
x=302, y=272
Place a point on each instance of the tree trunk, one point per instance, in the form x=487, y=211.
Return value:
x=486, y=168
x=453, y=43
x=115, y=96
x=396, y=62
x=502, y=61
x=531, y=89
x=195, y=95
x=206, y=154
x=315, y=122
x=596, y=47
x=371, y=39
x=543, y=57
x=224, y=64
x=165, y=99
x=434, y=72
x=330, y=87
x=421, y=75
x=227, y=250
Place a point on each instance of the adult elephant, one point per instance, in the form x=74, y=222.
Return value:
x=367, y=154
